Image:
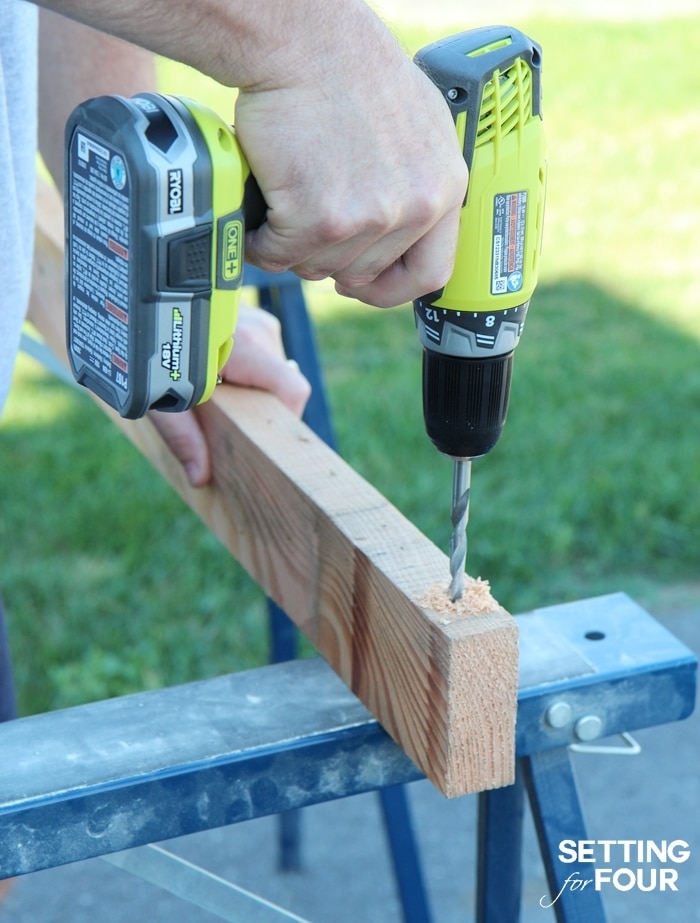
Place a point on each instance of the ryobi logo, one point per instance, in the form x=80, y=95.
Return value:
x=232, y=255
x=174, y=192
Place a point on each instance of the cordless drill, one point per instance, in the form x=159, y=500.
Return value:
x=490, y=79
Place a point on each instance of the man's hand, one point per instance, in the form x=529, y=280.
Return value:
x=256, y=361
x=357, y=155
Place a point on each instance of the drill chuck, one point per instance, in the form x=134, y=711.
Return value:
x=465, y=401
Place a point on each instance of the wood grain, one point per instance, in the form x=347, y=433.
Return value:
x=344, y=564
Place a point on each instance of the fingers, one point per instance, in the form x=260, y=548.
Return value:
x=383, y=260
x=185, y=439
x=424, y=267
x=364, y=184
x=258, y=360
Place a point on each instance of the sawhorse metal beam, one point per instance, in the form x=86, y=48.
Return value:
x=126, y=772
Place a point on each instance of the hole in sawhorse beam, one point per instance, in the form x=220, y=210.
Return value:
x=595, y=635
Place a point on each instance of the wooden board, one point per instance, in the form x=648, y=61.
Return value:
x=344, y=564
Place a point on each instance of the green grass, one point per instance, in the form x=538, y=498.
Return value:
x=111, y=585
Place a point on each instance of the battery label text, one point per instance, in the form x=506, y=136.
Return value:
x=86, y=146
x=232, y=256
x=174, y=192
x=171, y=352
x=98, y=209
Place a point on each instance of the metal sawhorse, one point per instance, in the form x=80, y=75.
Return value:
x=111, y=778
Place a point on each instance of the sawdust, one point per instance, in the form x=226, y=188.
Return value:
x=475, y=600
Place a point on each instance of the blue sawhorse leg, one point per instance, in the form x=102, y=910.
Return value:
x=282, y=296
x=556, y=810
x=499, y=850
x=407, y=866
x=283, y=647
x=549, y=781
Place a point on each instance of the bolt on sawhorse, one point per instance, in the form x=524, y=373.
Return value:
x=112, y=778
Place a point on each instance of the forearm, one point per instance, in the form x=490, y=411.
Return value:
x=243, y=44
x=76, y=63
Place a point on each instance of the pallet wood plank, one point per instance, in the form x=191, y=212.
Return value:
x=344, y=564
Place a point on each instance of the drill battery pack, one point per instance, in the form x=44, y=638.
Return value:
x=154, y=226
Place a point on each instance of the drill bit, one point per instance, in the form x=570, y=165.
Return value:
x=460, y=515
